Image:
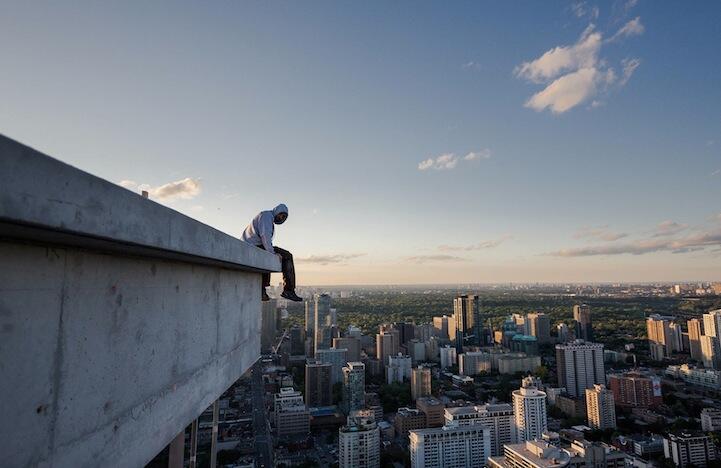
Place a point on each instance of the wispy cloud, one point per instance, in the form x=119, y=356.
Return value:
x=599, y=233
x=477, y=155
x=185, y=189
x=690, y=243
x=435, y=258
x=633, y=28
x=471, y=65
x=582, y=9
x=328, y=259
x=668, y=228
x=443, y=162
x=716, y=172
x=447, y=161
x=573, y=74
x=489, y=244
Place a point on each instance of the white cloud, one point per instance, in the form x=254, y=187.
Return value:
x=489, y=244
x=443, y=162
x=633, y=28
x=629, y=66
x=574, y=74
x=477, y=155
x=185, y=189
x=716, y=172
x=570, y=90
x=583, y=54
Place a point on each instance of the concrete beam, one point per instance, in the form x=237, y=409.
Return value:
x=120, y=320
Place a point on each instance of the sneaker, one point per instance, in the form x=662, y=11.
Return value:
x=291, y=296
x=265, y=297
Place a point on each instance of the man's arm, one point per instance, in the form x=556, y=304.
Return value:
x=266, y=231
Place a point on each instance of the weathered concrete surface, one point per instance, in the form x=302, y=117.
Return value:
x=37, y=191
x=113, y=337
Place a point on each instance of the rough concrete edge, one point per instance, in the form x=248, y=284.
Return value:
x=75, y=203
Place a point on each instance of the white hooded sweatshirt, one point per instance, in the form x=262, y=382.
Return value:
x=260, y=231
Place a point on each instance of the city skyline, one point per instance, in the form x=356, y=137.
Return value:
x=413, y=144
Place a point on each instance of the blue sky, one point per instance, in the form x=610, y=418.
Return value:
x=594, y=129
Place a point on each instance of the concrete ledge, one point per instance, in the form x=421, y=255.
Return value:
x=47, y=201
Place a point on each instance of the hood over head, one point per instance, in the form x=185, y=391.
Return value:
x=280, y=209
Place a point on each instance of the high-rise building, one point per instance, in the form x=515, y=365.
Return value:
x=398, y=368
x=579, y=366
x=658, y=329
x=309, y=319
x=582, y=321
x=318, y=387
x=635, y=390
x=351, y=344
x=529, y=409
x=408, y=419
x=433, y=409
x=498, y=418
x=563, y=333
x=600, y=407
x=448, y=356
x=450, y=446
x=711, y=352
x=269, y=319
x=359, y=444
x=445, y=327
x=473, y=363
x=539, y=325
x=467, y=315
x=385, y=346
x=291, y=415
x=712, y=323
x=406, y=331
x=337, y=358
x=322, y=322
x=420, y=382
x=688, y=449
x=432, y=349
x=417, y=350
x=532, y=454
x=694, y=338
x=297, y=340
x=354, y=381
x=711, y=419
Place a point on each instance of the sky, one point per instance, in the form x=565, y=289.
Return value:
x=414, y=142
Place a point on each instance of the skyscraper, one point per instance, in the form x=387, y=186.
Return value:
x=579, y=366
x=322, y=322
x=445, y=327
x=658, y=329
x=469, y=326
x=582, y=319
x=268, y=330
x=385, y=347
x=539, y=325
x=448, y=356
x=291, y=414
x=359, y=443
x=712, y=323
x=600, y=408
x=694, y=338
x=450, y=446
x=351, y=344
x=337, y=358
x=420, y=382
x=529, y=409
x=711, y=352
x=318, y=387
x=498, y=418
x=354, y=380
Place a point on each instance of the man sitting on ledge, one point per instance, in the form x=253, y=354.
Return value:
x=260, y=233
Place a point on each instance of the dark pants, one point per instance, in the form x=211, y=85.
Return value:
x=287, y=267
